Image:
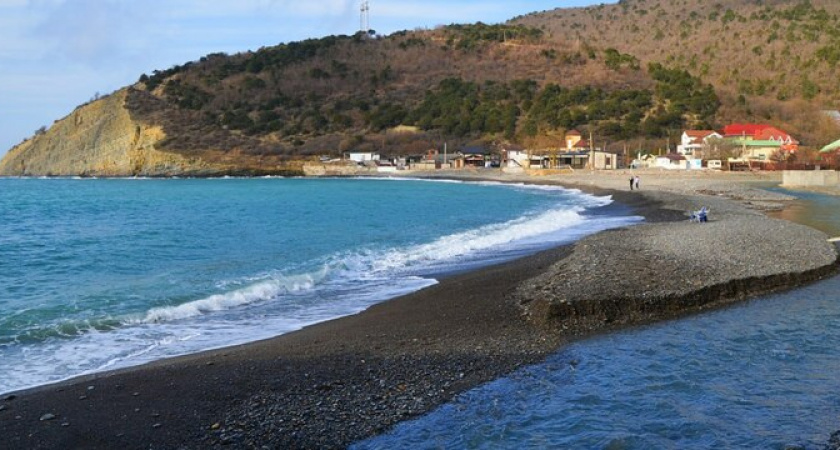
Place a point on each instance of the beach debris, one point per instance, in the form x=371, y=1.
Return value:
x=157, y=425
x=215, y=426
x=90, y=388
x=47, y=416
x=83, y=397
x=2, y=407
x=65, y=424
x=10, y=397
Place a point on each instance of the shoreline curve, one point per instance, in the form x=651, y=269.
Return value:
x=347, y=379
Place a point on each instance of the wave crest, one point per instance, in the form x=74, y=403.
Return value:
x=255, y=293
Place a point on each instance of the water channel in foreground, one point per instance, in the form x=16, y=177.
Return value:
x=762, y=374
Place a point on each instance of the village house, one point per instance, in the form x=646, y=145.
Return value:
x=604, y=160
x=385, y=166
x=476, y=156
x=574, y=159
x=515, y=157
x=361, y=157
x=579, y=151
x=433, y=160
x=761, y=150
x=671, y=161
x=752, y=142
x=556, y=159
x=527, y=159
x=741, y=133
x=577, y=154
x=697, y=142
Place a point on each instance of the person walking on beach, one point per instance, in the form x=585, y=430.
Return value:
x=632, y=180
x=636, y=181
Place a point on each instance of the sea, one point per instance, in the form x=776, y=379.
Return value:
x=764, y=374
x=99, y=274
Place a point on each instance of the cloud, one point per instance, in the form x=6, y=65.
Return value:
x=91, y=32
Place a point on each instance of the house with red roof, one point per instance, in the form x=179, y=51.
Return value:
x=742, y=133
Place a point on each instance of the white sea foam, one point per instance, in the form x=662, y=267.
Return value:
x=444, y=253
x=258, y=292
x=272, y=303
x=457, y=246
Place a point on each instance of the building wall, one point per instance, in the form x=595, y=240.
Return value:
x=606, y=161
x=423, y=165
x=517, y=159
x=810, y=178
x=761, y=153
x=362, y=157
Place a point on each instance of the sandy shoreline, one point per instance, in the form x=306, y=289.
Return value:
x=334, y=383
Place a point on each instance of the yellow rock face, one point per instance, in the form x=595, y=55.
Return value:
x=99, y=139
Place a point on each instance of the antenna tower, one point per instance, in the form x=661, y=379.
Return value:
x=365, y=17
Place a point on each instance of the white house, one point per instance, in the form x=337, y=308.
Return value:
x=361, y=157
x=517, y=159
x=671, y=161
x=694, y=141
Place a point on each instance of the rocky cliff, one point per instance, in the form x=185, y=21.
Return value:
x=101, y=139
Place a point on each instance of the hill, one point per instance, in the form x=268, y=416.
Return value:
x=638, y=70
x=769, y=60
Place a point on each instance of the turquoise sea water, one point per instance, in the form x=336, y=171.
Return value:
x=104, y=273
x=760, y=375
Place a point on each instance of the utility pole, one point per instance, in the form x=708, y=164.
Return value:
x=444, y=153
x=364, y=19
x=628, y=159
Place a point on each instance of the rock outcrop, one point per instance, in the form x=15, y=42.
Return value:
x=101, y=139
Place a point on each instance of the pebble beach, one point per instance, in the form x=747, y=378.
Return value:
x=341, y=381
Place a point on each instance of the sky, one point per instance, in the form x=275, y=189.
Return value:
x=57, y=54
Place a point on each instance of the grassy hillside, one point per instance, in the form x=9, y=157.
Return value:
x=642, y=69
x=769, y=60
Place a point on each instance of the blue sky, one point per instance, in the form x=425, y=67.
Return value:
x=57, y=54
